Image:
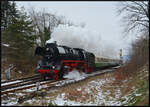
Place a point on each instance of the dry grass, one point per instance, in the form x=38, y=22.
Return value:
x=77, y=92
x=15, y=74
x=77, y=95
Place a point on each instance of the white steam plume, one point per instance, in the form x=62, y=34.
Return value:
x=78, y=37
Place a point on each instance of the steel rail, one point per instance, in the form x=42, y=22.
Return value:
x=22, y=83
x=27, y=87
x=2, y=82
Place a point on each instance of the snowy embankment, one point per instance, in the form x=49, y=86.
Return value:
x=97, y=90
x=71, y=77
x=104, y=91
x=91, y=93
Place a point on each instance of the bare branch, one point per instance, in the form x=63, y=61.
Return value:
x=45, y=23
x=135, y=17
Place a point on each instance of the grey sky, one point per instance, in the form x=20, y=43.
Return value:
x=98, y=16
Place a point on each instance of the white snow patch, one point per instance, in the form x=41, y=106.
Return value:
x=138, y=94
x=3, y=80
x=7, y=45
x=10, y=83
x=118, y=94
x=60, y=83
x=99, y=98
x=30, y=90
x=30, y=101
x=61, y=101
x=125, y=80
x=9, y=103
x=20, y=94
x=79, y=89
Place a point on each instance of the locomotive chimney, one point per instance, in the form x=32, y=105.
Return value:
x=55, y=42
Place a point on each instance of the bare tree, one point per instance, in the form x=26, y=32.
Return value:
x=140, y=52
x=135, y=16
x=45, y=23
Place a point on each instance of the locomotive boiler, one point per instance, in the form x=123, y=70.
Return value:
x=59, y=59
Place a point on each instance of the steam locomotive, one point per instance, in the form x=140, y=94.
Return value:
x=59, y=59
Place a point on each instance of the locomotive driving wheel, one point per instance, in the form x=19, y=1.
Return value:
x=61, y=72
x=44, y=77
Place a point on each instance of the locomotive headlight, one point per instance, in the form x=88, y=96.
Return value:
x=38, y=66
x=53, y=67
x=47, y=49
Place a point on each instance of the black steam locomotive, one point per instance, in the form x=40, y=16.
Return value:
x=58, y=59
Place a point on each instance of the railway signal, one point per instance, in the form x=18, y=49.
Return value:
x=121, y=58
x=8, y=72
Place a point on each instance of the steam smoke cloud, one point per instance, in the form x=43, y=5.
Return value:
x=78, y=37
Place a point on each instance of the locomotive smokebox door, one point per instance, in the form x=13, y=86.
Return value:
x=39, y=51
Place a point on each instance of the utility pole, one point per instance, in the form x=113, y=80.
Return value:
x=121, y=58
x=8, y=72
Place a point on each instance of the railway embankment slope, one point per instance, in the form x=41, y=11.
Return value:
x=106, y=89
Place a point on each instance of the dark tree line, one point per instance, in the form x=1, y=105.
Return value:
x=8, y=12
x=22, y=32
x=18, y=32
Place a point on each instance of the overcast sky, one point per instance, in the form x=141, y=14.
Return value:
x=98, y=16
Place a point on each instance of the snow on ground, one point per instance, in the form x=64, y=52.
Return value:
x=92, y=93
x=10, y=83
x=2, y=79
x=8, y=101
x=7, y=45
x=8, y=104
x=30, y=89
x=61, y=101
x=71, y=77
x=100, y=97
x=93, y=90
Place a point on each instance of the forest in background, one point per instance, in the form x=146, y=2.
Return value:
x=23, y=32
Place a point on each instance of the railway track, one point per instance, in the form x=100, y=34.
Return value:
x=27, y=83
x=29, y=86
x=21, y=83
x=26, y=78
